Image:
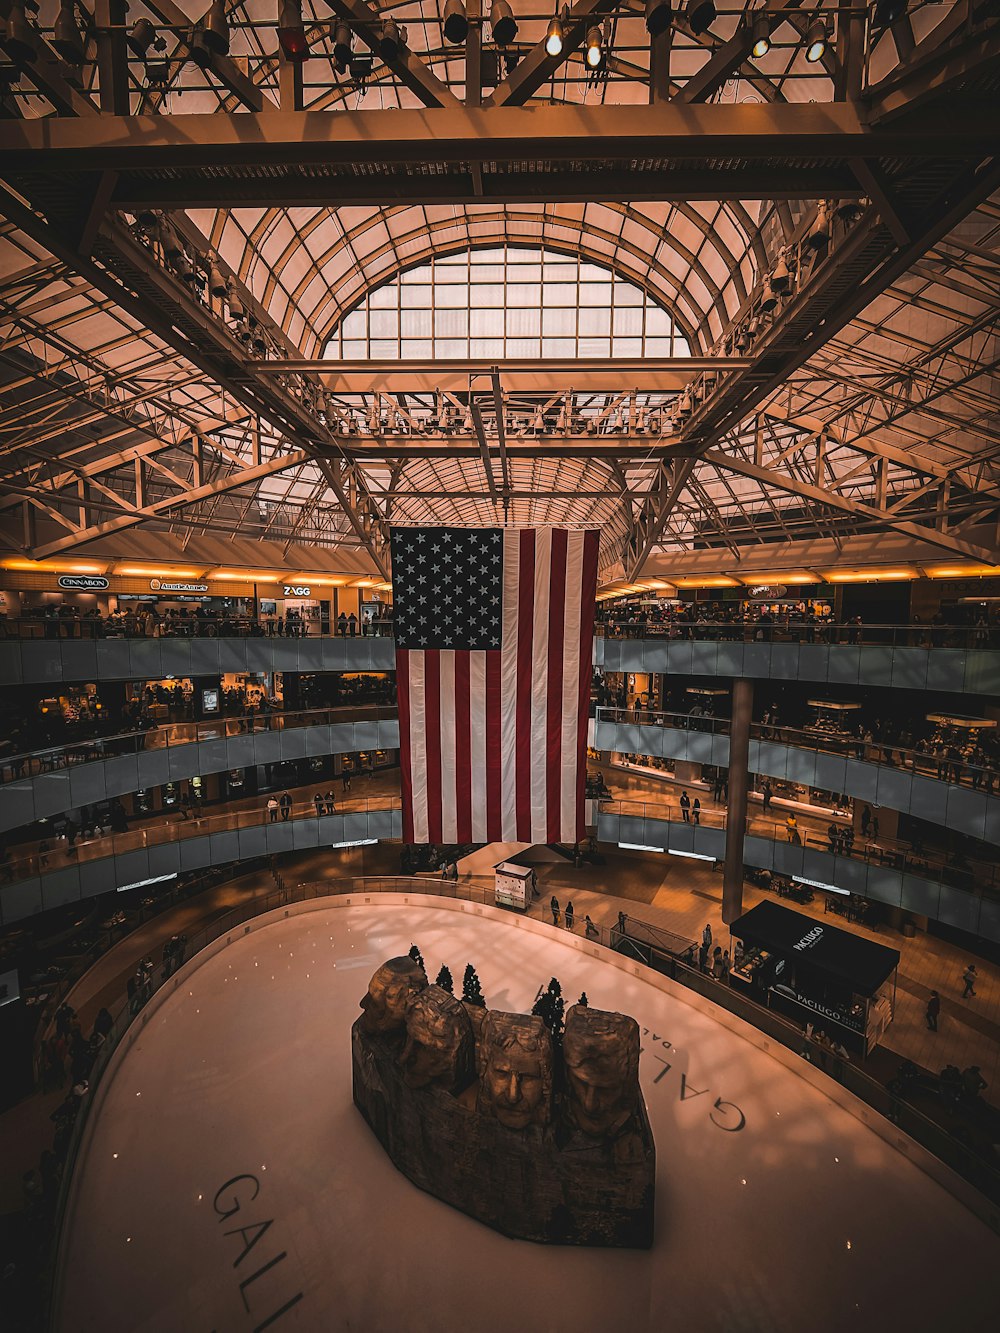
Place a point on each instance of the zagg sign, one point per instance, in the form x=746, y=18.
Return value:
x=297, y=590
x=83, y=582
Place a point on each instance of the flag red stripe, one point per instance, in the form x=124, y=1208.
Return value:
x=494, y=758
x=554, y=700
x=432, y=698
x=522, y=701
x=463, y=748
x=588, y=592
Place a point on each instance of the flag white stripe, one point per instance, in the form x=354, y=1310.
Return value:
x=418, y=747
x=449, y=806
x=572, y=666
x=540, y=685
x=508, y=683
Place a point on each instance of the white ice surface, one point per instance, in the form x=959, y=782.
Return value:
x=803, y=1220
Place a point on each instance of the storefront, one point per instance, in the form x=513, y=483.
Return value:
x=812, y=972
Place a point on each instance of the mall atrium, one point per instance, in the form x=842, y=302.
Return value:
x=679, y=322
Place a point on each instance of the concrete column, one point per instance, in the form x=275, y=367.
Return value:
x=736, y=808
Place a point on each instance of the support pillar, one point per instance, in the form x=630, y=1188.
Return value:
x=736, y=808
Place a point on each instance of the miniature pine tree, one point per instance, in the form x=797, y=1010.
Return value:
x=472, y=991
x=444, y=980
x=550, y=1007
x=583, y=999
x=418, y=958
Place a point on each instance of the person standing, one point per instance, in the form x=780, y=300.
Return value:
x=866, y=820
x=933, y=1010
x=570, y=916
x=685, y=807
x=342, y=625
x=285, y=801
x=768, y=797
x=792, y=828
x=969, y=977
x=554, y=904
x=706, y=936
x=696, y=810
x=272, y=809
x=318, y=803
x=331, y=803
x=352, y=622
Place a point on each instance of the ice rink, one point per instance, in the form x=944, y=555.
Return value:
x=227, y=1182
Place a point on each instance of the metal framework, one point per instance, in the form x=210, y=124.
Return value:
x=823, y=235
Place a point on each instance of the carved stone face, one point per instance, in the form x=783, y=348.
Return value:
x=390, y=991
x=439, y=1043
x=601, y=1054
x=516, y=1079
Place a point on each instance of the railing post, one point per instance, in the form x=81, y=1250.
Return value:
x=736, y=807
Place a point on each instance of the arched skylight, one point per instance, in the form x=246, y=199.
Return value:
x=506, y=303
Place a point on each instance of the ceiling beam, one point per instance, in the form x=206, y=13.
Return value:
x=821, y=496
x=459, y=134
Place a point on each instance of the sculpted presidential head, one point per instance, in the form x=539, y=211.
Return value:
x=440, y=1048
x=601, y=1057
x=390, y=991
x=515, y=1055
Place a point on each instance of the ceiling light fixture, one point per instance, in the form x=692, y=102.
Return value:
x=67, y=38
x=291, y=31
x=595, y=48
x=502, y=23
x=456, y=23
x=20, y=36
x=390, y=40
x=816, y=40
x=700, y=15
x=659, y=17
x=760, y=33
x=555, y=36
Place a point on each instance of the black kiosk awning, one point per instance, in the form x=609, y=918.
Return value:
x=848, y=959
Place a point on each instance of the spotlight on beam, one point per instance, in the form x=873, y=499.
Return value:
x=502, y=23
x=68, y=39
x=816, y=41
x=659, y=16
x=390, y=40
x=20, y=37
x=700, y=15
x=555, y=36
x=456, y=23
x=760, y=34
x=291, y=31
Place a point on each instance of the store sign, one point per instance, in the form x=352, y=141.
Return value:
x=83, y=582
x=809, y=939
x=297, y=590
x=143, y=883
x=768, y=590
x=157, y=586
x=818, y=1007
x=356, y=842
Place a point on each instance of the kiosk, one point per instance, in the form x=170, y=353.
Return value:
x=513, y=885
x=816, y=973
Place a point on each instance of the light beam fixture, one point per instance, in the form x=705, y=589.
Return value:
x=68, y=38
x=700, y=15
x=456, y=22
x=595, y=48
x=20, y=36
x=816, y=40
x=291, y=31
x=390, y=40
x=760, y=34
x=503, y=25
x=659, y=16
x=343, y=40
x=888, y=12
x=555, y=36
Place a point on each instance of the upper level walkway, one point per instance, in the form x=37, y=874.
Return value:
x=956, y=661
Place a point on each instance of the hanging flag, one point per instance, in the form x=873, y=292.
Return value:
x=493, y=629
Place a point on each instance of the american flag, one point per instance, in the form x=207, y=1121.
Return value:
x=493, y=665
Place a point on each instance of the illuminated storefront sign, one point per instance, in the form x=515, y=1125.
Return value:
x=297, y=590
x=157, y=586
x=83, y=582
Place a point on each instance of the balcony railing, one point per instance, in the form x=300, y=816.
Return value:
x=946, y=767
x=172, y=735
x=804, y=632
x=144, y=625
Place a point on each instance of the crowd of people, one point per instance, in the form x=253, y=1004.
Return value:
x=802, y=622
